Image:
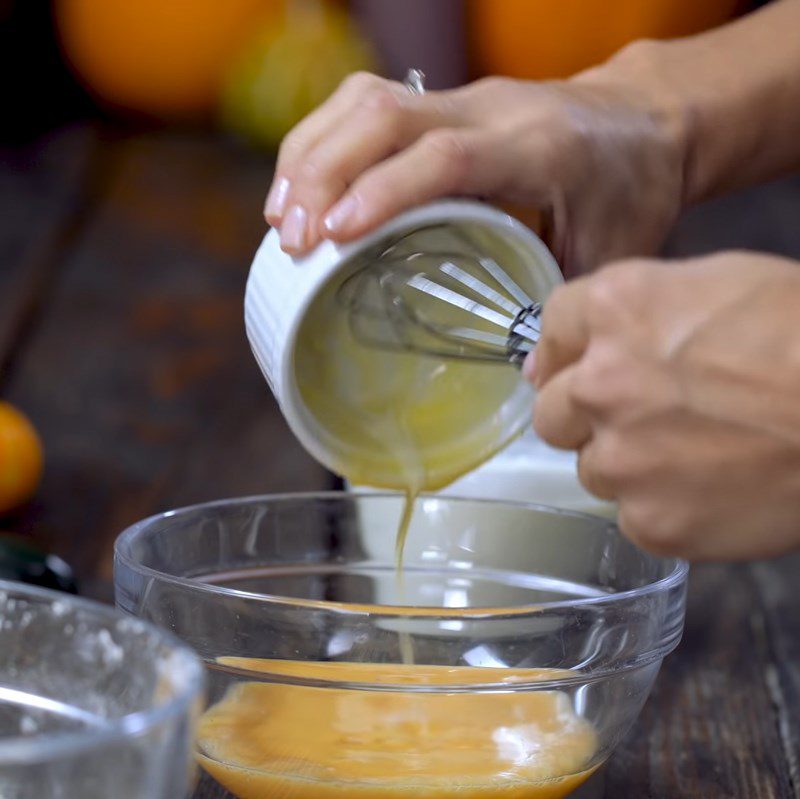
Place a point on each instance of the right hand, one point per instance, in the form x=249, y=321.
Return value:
x=594, y=153
x=677, y=382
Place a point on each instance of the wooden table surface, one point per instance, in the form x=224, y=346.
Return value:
x=122, y=267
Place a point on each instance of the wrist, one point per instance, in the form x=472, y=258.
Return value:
x=640, y=72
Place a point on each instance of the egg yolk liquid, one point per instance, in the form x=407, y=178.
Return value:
x=267, y=740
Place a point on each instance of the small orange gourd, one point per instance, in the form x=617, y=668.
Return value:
x=21, y=458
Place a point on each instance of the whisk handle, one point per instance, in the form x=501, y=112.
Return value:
x=524, y=333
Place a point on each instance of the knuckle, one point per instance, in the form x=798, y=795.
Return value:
x=560, y=424
x=608, y=459
x=373, y=193
x=637, y=520
x=653, y=527
x=559, y=142
x=312, y=171
x=603, y=297
x=380, y=99
x=591, y=475
x=361, y=81
x=290, y=148
x=603, y=378
x=620, y=285
x=491, y=85
x=449, y=148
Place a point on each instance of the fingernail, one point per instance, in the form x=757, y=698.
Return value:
x=294, y=229
x=341, y=214
x=276, y=199
x=529, y=367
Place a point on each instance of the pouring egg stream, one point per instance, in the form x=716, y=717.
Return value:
x=407, y=422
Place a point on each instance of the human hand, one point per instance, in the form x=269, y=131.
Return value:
x=679, y=384
x=594, y=153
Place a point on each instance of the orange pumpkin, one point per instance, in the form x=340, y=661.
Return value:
x=539, y=39
x=164, y=58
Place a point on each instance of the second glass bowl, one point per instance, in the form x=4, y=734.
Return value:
x=93, y=704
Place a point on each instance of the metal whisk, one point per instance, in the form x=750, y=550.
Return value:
x=454, y=304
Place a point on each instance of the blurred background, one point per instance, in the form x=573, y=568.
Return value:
x=255, y=67
x=136, y=147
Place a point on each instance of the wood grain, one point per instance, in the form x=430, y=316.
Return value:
x=778, y=584
x=209, y=788
x=44, y=189
x=709, y=729
x=139, y=375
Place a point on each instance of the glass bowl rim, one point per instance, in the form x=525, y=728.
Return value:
x=675, y=577
x=28, y=750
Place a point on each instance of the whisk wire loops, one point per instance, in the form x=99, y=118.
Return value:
x=443, y=302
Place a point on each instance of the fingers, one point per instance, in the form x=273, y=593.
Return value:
x=565, y=330
x=451, y=159
x=376, y=131
x=443, y=162
x=558, y=418
x=564, y=423
x=307, y=133
x=320, y=160
x=304, y=136
x=598, y=470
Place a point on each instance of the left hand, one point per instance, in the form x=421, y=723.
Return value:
x=679, y=384
x=600, y=154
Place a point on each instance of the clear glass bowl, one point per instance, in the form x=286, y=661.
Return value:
x=532, y=657
x=93, y=704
